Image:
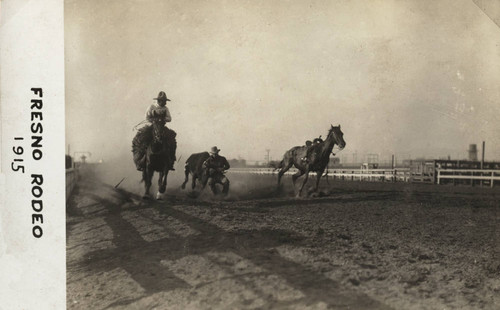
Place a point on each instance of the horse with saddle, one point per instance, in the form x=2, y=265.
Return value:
x=154, y=147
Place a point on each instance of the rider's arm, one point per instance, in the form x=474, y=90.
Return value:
x=149, y=114
x=226, y=164
x=168, y=117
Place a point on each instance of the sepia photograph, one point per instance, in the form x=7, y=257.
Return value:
x=309, y=154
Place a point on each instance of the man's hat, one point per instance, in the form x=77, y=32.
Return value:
x=214, y=150
x=162, y=96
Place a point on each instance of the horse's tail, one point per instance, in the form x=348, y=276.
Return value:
x=276, y=166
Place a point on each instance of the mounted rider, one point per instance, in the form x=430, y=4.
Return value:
x=157, y=111
x=214, y=167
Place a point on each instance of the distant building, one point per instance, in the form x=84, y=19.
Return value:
x=472, y=152
x=237, y=163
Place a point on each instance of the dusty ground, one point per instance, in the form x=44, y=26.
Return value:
x=359, y=245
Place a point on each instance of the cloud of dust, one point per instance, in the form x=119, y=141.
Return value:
x=242, y=186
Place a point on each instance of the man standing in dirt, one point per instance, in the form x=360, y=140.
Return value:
x=143, y=137
x=215, y=166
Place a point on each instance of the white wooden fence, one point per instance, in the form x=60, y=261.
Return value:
x=402, y=174
x=489, y=176
x=393, y=175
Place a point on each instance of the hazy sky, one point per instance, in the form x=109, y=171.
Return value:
x=420, y=78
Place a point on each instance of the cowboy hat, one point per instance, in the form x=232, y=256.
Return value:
x=214, y=150
x=162, y=96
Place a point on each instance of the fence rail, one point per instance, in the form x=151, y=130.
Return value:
x=402, y=174
x=394, y=175
x=489, y=176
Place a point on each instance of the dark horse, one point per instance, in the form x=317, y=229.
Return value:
x=194, y=166
x=157, y=159
x=317, y=161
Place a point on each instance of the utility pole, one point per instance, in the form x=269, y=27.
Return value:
x=482, y=157
x=267, y=155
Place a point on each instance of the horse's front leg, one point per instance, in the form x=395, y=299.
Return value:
x=162, y=185
x=204, y=180
x=147, y=176
x=318, y=178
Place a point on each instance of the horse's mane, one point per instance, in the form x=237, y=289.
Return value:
x=328, y=136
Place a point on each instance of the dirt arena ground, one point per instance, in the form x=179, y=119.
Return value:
x=358, y=245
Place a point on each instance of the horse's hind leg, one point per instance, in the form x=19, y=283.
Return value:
x=304, y=182
x=297, y=175
x=283, y=170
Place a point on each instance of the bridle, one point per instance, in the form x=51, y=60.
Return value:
x=337, y=143
x=157, y=130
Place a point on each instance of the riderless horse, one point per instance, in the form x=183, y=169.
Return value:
x=317, y=161
x=194, y=166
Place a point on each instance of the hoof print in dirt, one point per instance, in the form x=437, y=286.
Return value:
x=354, y=281
x=413, y=278
x=344, y=236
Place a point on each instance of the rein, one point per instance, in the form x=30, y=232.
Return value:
x=337, y=152
x=142, y=122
